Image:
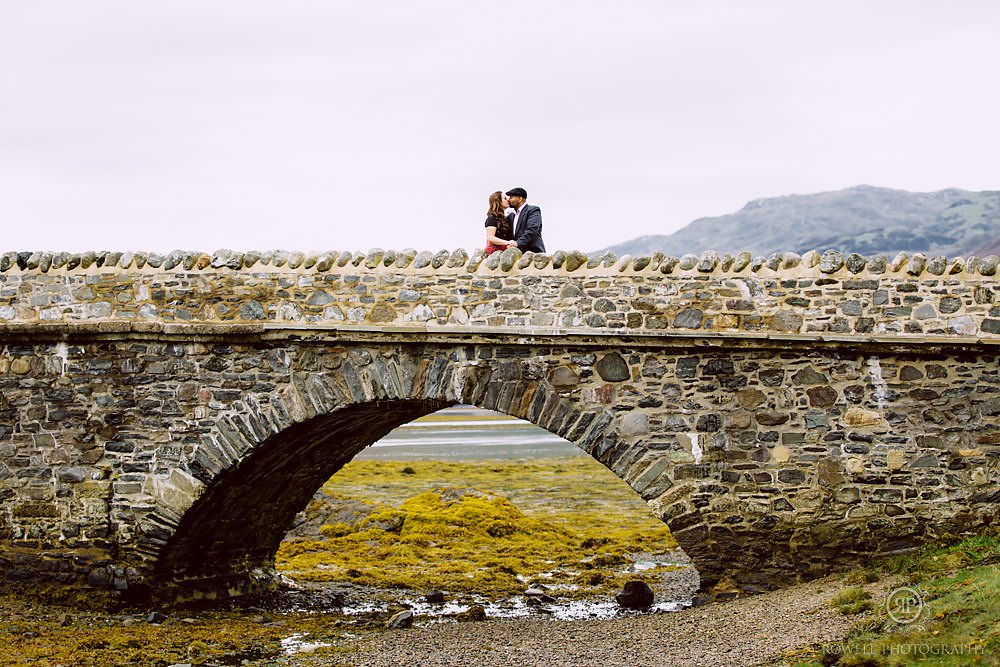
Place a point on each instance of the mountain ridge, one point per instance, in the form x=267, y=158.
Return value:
x=865, y=219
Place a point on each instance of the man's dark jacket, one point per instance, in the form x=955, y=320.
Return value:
x=528, y=234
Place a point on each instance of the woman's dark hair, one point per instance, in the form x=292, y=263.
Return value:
x=496, y=211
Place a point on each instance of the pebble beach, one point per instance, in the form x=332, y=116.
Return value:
x=758, y=630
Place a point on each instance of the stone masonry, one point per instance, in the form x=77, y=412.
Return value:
x=163, y=418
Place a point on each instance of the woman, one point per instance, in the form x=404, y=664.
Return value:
x=499, y=232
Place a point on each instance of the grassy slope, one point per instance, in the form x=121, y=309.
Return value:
x=959, y=624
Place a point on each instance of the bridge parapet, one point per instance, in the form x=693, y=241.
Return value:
x=815, y=296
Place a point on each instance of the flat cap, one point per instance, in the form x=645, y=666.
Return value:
x=517, y=192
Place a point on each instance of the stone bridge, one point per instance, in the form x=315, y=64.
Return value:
x=163, y=418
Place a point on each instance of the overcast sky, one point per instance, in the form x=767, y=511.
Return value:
x=331, y=125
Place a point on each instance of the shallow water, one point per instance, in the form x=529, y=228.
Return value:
x=466, y=432
x=678, y=583
x=299, y=643
x=520, y=607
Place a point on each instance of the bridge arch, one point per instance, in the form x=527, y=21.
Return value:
x=217, y=525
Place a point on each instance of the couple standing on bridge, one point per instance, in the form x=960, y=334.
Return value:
x=520, y=229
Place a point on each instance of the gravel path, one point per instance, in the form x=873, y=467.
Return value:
x=748, y=631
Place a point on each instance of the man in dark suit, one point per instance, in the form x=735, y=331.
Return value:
x=527, y=222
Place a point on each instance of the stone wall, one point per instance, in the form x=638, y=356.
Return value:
x=160, y=428
x=910, y=296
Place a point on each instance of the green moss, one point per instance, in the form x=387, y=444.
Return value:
x=548, y=519
x=852, y=601
x=334, y=530
x=852, y=608
x=862, y=576
x=38, y=635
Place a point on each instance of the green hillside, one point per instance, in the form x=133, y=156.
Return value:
x=862, y=219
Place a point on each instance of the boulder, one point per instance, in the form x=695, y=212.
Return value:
x=434, y=597
x=538, y=595
x=635, y=595
x=156, y=617
x=399, y=620
x=474, y=613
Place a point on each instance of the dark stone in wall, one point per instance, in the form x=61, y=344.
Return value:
x=613, y=368
x=716, y=366
x=851, y=308
x=563, y=377
x=949, y=304
x=808, y=376
x=772, y=418
x=687, y=367
x=772, y=377
x=653, y=368
x=821, y=396
x=936, y=371
x=605, y=306
x=708, y=423
x=849, y=495
x=791, y=476
x=782, y=505
x=689, y=318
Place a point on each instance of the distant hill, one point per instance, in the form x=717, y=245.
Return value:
x=991, y=247
x=862, y=219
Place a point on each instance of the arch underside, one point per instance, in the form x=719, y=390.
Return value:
x=237, y=524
